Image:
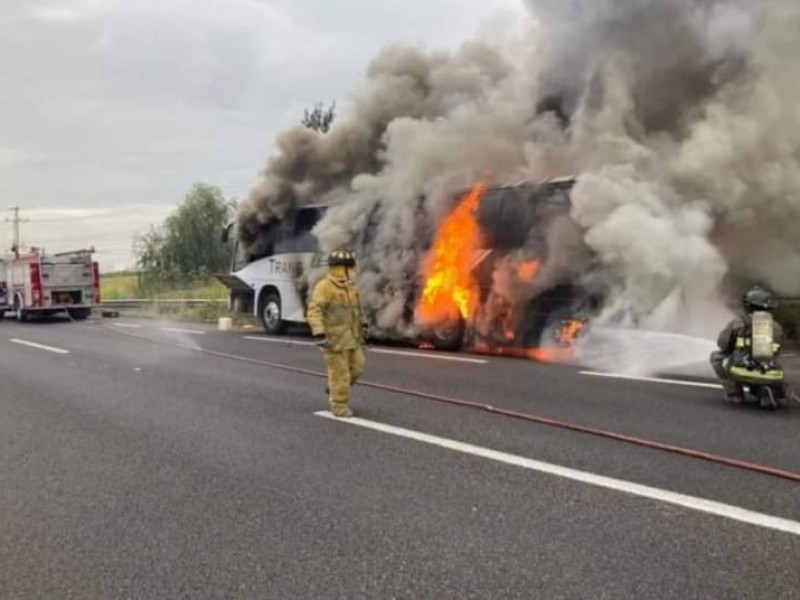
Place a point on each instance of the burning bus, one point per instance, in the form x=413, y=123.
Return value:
x=491, y=277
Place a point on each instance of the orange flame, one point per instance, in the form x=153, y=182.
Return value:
x=543, y=355
x=527, y=270
x=449, y=287
x=551, y=355
x=569, y=331
x=565, y=336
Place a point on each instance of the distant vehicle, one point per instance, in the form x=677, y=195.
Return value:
x=38, y=284
x=271, y=281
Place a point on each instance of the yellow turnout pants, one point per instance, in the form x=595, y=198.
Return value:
x=344, y=369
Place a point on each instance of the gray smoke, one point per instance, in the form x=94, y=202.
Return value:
x=680, y=117
x=402, y=84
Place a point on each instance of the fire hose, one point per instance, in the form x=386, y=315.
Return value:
x=742, y=465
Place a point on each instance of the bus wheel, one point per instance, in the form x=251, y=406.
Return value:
x=449, y=337
x=271, y=315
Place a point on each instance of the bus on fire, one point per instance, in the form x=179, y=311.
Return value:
x=271, y=281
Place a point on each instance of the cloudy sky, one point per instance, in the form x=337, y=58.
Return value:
x=111, y=109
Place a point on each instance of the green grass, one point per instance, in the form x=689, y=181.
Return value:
x=119, y=286
x=207, y=313
x=209, y=289
x=125, y=286
x=122, y=286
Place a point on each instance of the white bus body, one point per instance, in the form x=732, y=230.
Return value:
x=273, y=285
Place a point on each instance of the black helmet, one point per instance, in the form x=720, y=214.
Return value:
x=342, y=258
x=758, y=298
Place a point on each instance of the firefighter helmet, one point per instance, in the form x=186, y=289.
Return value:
x=342, y=258
x=757, y=299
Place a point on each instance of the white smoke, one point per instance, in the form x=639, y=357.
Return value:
x=681, y=118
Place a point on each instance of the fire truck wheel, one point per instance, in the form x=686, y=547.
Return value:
x=79, y=314
x=448, y=337
x=271, y=314
x=19, y=312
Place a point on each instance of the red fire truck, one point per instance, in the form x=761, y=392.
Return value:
x=41, y=284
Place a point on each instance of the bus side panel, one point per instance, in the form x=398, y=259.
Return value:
x=281, y=272
x=292, y=306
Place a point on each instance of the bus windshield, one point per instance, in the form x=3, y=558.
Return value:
x=289, y=236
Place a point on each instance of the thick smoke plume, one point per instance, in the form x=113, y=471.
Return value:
x=681, y=119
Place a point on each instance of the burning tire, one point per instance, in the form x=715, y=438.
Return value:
x=271, y=314
x=448, y=336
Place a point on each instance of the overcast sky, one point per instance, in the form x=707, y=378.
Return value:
x=111, y=109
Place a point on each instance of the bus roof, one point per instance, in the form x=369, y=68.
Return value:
x=557, y=181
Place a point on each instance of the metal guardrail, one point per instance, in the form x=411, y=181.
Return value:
x=139, y=302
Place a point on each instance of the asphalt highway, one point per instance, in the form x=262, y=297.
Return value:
x=145, y=459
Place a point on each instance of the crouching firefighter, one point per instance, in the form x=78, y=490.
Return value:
x=338, y=326
x=748, y=353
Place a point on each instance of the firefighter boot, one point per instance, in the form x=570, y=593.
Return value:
x=340, y=410
x=766, y=398
x=733, y=392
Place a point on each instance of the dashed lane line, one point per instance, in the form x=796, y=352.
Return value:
x=410, y=354
x=431, y=355
x=284, y=341
x=188, y=331
x=694, y=503
x=682, y=382
x=52, y=349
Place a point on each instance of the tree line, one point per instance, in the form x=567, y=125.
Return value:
x=188, y=245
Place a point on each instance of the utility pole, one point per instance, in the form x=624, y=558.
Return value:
x=15, y=223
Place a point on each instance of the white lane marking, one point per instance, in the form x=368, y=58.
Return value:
x=177, y=330
x=39, y=346
x=432, y=355
x=272, y=340
x=712, y=507
x=287, y=341
x=683, y=382
x=127, y=325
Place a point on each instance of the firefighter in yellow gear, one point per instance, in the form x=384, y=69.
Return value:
x=741, y=360
x=339, y=329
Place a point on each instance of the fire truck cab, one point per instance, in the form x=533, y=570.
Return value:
x=41, y=284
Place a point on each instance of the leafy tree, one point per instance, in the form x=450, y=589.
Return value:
x=186, y=246
x=320, y=118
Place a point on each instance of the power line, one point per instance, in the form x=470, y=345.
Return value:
x=72, y=219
